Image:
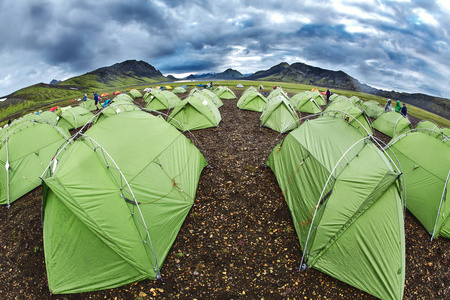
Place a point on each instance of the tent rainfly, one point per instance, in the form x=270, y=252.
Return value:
x=116, y=107
x=25, y=151
x=279, y=115
x=74, y=117
x=161, y=100
x=304, y=102
x=342, y=193
x=114, y=201
x=88, y=104
x=123, y=97
x=179, y=90
x=224, y=92
x=372, y=108
x=426, y=175
x=391, y=124
x=344, y=108
x=252, y=100
x=195, y=112
x=431, y=128
x=135, y=94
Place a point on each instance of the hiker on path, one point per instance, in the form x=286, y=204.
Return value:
x=388, y=106
x=404, y=110
x=328, y=93
x=398, y=107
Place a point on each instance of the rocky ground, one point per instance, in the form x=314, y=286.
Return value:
x=238, y=240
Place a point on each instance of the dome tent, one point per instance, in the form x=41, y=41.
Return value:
x=391, y=123
x=74, y=117
x=372, y=108
x=342, y=193
x=116, y=107
x=110, y=218
x=88, y=104
x=25, y=151
x=304, y=102
x=135, y=94
x=179, y=90
x=161, y=100
x=426, y=173
x=354, y=115
x=195, y=112
x=224, y=92
x=252, y=100
x=208, y=96
x=279, y=115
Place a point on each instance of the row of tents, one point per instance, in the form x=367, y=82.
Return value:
x=110, y=219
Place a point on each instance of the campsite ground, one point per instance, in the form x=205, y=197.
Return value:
x=238, y=240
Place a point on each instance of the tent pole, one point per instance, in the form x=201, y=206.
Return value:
x=440, y=205
x=7, y=170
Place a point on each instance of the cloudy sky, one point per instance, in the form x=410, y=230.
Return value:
x=401, y=45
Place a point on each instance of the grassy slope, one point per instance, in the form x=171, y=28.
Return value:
x=89, y=83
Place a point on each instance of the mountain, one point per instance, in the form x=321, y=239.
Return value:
x=227, y=74
x=54, y=81
x=304, y=74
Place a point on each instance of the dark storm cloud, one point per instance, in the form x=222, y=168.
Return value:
x=388, y=43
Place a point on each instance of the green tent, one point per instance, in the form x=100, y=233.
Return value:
x=430, y=128
x=391, y=123
x=372, y=108
x=252, y=100
x=333, y=96
x=342, y=107
x=355, y=100
x=343, y=197
x=446, y=132
x=276, y=92
x=114, y=201
x=25, y=151
x=123, y=97
x=116, y=107
x=195, y=112
x=425, y=162
x=304, y=102
x=224, y=92
x=135, y=94
x=207, y=95
x=279, y=115
x=74, y=117
x=317, y=96
x=179, y=90
x=260, y=87
x=89, y=105
x=161, y=100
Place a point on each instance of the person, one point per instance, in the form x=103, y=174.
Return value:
x=404, y=110
x=210, y=84
x=388, y=106
x=96, y=99
x=85, y=97
x=398, y=107
x=328, y=95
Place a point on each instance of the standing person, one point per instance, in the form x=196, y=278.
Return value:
x=398, y=107
x=388, y=106
x=328, y=93
x=404, y=110
x=211, y=84
x=85, y=97
x=96, y=99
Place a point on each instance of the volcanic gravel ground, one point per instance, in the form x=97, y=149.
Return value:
x=238, y=240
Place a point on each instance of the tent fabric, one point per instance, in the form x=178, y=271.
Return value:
x=342, y=194
x=104, y=228
x=207, y=95
x=318, y=97
x=355, y=100
x=279, y=115
x=391, y=123
x=25, y=151
x=372, y=108
x=135, y=94
x=426, y=173
x=88, y=104
x=344, y=108
x=123, y=97
x=74, y=117
x=252, y=100
x=161, y=100
x=179, y=90
x=224, y=92
x=431, y=128
x=195, y=112
x=304, y=102
x=276, y=92
x=116, y=107
x=260, y=87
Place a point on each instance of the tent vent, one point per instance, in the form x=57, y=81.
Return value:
x=130, y=201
